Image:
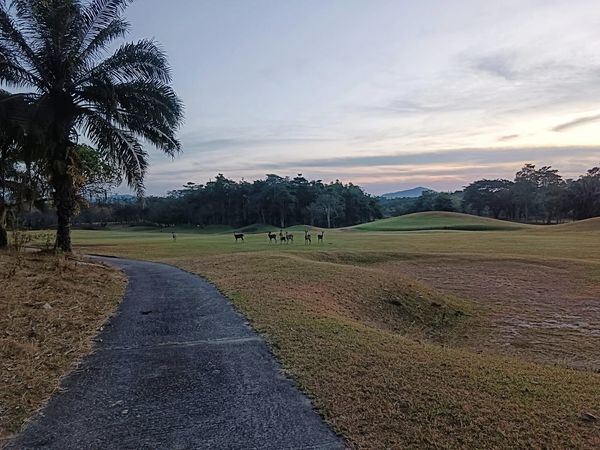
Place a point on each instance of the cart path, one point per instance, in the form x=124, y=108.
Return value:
x=177, y=368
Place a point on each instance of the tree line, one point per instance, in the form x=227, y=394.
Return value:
x=274, y=200
x=534, y=195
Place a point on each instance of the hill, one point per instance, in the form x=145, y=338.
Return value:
x=438, y=221
x=408, y=193
x=592, y=224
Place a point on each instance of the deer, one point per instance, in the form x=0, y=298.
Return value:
x=272, y=237
x=320, y=236
x=307, y=239
x=289, y=237
x=238, y=236
x=282, y=238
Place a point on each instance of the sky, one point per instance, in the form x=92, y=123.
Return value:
x=387, y=94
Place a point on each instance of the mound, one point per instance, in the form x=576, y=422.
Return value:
x=438, y=221
x=592, y=224
x=256, y=228
x=302, y=228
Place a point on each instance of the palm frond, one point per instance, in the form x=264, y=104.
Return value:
x=97, y=16
x=14, y=41
x=12, y=73
x=151, y=110
x=119, y=146
x=142, y=60
x=115, y=29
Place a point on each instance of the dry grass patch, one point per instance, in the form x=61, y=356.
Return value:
x=541, y=310
x=50, y=310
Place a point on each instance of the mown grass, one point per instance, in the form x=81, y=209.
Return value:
x=387, y=359
x=438, y=221
x=543, y=242
x=50, y=310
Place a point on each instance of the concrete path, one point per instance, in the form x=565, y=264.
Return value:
x=177, y=368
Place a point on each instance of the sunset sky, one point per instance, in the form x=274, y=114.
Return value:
x=386, y=94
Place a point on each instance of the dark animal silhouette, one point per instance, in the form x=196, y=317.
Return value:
x=289, y=237
x=307, y=239
x=239, y=236
x=320, y=236
x=272, y=237
x=282, y=237
x=174, y=236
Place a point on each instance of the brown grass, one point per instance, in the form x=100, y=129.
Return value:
x=377, y=354
x=541, y=310
x=50, y=310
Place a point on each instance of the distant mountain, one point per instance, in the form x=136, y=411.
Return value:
x=409, y=193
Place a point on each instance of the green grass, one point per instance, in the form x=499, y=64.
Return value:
x=257, y=228
x=390, y=361
x=591, y=225
x=438, y=221
x=542, y=242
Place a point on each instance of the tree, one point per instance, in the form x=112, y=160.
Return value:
x=10, y=182
x=494, y=195
x=443, y=202
x=329, y=205
x=584, y=195
x=550, y=192
x=21, y=186
x=525, y=190
x=54, y=51
x=97, y=176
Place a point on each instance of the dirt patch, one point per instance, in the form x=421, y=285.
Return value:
x=545, y=311
x=50, y=310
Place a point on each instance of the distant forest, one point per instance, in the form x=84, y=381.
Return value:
x=534, y=195
x=274, y=200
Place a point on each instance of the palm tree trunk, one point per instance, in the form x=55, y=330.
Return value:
x=64, y=202
x=3, y=232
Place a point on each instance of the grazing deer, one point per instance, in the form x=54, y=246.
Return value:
x=320, y=237
x=289, y=237
x=272, y=237
x=282, y=237
x=238, y=236
x=307, y=239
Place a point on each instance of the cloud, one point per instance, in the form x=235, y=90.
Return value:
x=448, y=156
x=508, y=137
x=206, y=145
x=576, y=123
x=501, y=64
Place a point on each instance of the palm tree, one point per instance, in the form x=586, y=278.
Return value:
x=55, y=53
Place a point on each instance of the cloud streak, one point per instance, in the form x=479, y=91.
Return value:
x=576, y=123
x=448, y=156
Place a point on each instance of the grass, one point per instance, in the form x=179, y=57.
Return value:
x=542, y=242
x=437, y=339
x=438, y=221
x=50, y=310
x=382, y=358
x=589, y=225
